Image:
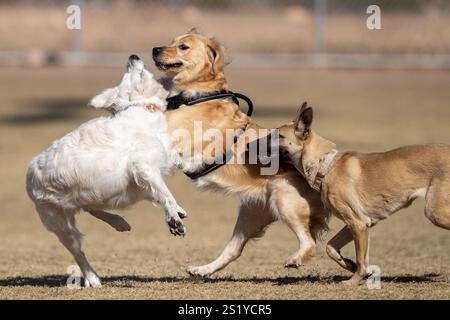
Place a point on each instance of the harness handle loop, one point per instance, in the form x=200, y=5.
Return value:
x=247, y=100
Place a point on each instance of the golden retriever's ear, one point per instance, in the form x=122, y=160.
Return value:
x=216, y=54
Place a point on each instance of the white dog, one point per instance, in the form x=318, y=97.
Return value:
x=108, y=163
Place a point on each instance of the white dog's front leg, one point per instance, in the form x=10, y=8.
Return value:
x=151, y=179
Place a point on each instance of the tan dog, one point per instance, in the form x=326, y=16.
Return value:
x=362, y=189
x=194, y=65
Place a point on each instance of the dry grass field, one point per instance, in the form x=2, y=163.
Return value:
x=364, y=110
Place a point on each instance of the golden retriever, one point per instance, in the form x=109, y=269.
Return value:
x=194, y=65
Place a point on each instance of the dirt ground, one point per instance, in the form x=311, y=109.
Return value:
x=364, y=110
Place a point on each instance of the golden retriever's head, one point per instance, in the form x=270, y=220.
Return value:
x=192, y=58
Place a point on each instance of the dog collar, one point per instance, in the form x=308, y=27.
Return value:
x=324, y=166
x=150, y=107
x=181, y=99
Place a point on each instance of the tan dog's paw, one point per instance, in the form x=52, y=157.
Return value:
x=352, y=282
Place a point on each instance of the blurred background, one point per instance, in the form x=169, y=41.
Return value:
x=371, y=89
x=289, y=32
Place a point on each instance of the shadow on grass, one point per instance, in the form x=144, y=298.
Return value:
x=53, y=110
x=126, y=281
x=46, y=110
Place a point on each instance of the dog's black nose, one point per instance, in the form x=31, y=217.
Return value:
x=156, y=51
x=133, y=57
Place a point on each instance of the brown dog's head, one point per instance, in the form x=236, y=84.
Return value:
x=193, y=61
x=296, y=134
x=301, y=146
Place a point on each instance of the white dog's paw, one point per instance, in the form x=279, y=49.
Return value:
x=198, y=271
x=92, y=280
x=176, y=226
x=181, y=212
x=176, y=160
x=179, y=165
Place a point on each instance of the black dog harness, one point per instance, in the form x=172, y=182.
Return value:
x=219, y=161
x=175, y=102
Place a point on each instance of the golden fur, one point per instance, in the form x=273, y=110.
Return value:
x=194, y=64
x=362, y=189
x=202, y=63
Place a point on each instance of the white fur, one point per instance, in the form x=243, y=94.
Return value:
x=108, y=163
x=137, y=86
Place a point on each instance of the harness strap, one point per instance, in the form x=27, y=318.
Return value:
x=219, y=161
x=176, y=101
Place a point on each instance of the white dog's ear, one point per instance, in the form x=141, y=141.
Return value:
x=104, y=99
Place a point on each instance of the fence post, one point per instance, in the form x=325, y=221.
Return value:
x=77, y=35
x=320, y=19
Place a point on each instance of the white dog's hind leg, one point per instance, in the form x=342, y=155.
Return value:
x=253, y=219
x=114, y=220
x=63, y=225
x=151, y=179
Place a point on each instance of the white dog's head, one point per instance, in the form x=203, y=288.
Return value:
x=137, y=87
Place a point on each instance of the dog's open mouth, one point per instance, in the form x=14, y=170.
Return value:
x=166, y=66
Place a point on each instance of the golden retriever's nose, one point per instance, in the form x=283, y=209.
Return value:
x=156, y=51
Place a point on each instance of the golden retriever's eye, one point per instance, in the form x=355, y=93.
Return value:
x=183, y=47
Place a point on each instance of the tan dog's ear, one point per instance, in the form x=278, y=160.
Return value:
x=303, y=107
x=302, y=124
x=299, y=112
x=216, y=54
